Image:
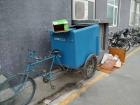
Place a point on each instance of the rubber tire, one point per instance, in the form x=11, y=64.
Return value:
x=11, y=99
x=124, y=43
x=128, y=44
x=91, y=61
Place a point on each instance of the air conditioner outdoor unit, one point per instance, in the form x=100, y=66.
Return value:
x=83, y=9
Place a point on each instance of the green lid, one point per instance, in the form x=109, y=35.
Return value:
x=62, y=21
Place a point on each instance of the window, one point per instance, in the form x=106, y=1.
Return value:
x=137, y=16
x=112, y=12
x=134, y=13
x=83, y=9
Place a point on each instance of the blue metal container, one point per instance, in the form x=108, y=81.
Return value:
x=76, y=45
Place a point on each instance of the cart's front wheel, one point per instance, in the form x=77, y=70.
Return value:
x=17, y=90
x=90, y=67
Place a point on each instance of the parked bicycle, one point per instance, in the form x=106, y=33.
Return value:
x=20, y=89
x=126, y=38
x=117, y=40
x=131, y=36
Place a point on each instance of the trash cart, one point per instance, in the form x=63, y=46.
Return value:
x=76, y=45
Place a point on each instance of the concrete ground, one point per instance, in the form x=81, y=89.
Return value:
x=122, y=87
x=44, y=90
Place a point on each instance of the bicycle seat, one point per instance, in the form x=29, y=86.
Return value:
x=56, y=52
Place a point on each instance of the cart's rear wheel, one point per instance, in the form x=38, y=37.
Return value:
x=90, y=67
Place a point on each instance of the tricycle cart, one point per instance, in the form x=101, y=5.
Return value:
x=79, y=47
x=75, y=49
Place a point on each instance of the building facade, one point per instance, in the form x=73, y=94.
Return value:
x=24, y=24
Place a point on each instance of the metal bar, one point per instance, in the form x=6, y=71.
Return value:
x=40, y=61
x=29, y=66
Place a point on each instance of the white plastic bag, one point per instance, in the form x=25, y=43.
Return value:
x=105, y=57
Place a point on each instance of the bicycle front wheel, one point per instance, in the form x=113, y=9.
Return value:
x=17, y=90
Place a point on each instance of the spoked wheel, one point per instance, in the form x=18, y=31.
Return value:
x=48, y=77
x=17, y=90
x=125, y=44
x=90, y=67
x=135, y=41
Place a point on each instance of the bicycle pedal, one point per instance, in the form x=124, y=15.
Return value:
x=53, y=87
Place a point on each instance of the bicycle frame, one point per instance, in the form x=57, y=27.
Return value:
x=29, y=69
x=53, y=57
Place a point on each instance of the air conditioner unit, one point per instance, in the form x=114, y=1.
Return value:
x=83, y=9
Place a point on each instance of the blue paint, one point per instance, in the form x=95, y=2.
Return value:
x=76, y=45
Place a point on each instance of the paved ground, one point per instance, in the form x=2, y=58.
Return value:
x=122, y=87
x=44, y=90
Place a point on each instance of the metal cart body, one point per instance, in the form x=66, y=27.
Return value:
x=76, y=45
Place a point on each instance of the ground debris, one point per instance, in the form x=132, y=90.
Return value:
x=66, y=88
